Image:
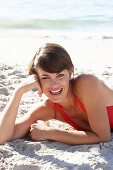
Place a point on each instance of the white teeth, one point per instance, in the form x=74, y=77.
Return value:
x=56, y=92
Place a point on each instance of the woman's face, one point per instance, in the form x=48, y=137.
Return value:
x=54, y=85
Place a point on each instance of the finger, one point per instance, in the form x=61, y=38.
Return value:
x=33, y=125
x=31, y=130
x=39, y=89
x=39, y=86
x=39, y=93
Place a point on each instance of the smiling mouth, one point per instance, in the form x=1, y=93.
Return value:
x=56, y=92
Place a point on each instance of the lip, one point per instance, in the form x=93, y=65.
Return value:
x=56, y=92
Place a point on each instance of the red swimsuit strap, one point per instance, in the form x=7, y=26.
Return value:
x=66, y=118
x=55, y=110
x=79, y=103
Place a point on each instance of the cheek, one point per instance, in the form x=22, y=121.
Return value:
x=44, y=84
x=65, y=81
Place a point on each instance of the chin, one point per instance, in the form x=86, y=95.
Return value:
x=56, y=100
x=56, y=97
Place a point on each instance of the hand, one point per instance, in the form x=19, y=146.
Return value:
x=30, y=83
x=39, y=131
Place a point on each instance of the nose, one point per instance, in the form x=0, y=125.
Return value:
x=54, y=82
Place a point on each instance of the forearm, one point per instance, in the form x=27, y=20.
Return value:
x=74, y=137
x=8, y=117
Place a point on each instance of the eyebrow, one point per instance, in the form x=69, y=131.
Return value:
x=45, y=75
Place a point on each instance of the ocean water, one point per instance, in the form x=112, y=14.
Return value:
x=71, y=15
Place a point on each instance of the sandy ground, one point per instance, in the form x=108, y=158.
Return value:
x=93, y=55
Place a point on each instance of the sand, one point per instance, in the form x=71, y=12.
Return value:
x=92, y=55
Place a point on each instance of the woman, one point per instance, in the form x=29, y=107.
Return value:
x=83, y=102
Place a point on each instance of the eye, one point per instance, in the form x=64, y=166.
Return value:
x=60, y=75
x=44, y=78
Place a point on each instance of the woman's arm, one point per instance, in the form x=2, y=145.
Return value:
x=8, y=116
x=39, y=112
x=75, y=137
x=91, y=93
x=44, y=132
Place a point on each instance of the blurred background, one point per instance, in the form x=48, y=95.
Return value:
x=72, y=15
x=83, y=27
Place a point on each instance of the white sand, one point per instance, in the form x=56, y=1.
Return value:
x=92, y=55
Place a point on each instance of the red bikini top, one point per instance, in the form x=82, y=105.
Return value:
x=71, y=123
x=66, y=118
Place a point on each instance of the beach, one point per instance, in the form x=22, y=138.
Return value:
x=85, y=30
x=90, y=53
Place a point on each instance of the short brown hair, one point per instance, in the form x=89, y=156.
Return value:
x=52, y=58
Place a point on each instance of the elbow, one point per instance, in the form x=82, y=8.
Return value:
x=4, y=139
x=106, y=138
x=2, y=142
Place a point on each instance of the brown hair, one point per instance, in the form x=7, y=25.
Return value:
x=52, y=58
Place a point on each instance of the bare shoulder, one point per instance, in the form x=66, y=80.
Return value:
x=85, y=79
x=86, y=83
